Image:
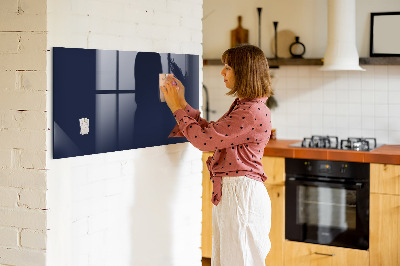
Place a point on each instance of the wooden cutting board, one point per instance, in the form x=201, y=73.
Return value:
x=239, y=35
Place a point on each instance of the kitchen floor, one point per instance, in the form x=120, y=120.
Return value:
x=206, y=261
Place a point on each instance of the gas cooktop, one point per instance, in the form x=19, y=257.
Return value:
x=332, y=142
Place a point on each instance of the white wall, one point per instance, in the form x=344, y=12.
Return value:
x=136, y=207
x=311, y=102
x=23, y=132
x=304, y=18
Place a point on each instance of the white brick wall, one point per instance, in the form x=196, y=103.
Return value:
x=136, y=207
x=101, y=206
x=23, y=218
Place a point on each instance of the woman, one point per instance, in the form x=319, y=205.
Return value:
x=242, y=208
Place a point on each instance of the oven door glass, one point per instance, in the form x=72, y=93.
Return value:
x=327, y=214
x=325, y=207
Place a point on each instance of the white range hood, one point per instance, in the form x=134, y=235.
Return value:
x=341, y=51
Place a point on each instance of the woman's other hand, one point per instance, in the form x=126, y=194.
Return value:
x=174, y=94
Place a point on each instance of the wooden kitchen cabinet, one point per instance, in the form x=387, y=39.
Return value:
x=274, y=168
x=277, y=233
x=305, y=254
x=385, y=178
x=206, y=225
x=384, y=236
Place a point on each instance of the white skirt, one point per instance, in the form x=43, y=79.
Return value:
x=241, y=223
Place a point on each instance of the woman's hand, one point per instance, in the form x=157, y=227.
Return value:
x=181, y=91
x=173, y=95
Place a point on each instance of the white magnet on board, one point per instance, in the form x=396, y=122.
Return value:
x=84, y=124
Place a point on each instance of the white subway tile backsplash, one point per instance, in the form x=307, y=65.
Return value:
x=380, y=84
x=328, y=74
x=381, y=136
x=329, y=94
x=380, y=71
x=355, y=96
x=394, y=123
x=304, y=108
x=317, y=120
x=329, y=123
x=305, y=95
x=293, y=120
x=381, y=97
x=352, y=102
x=354, y=80
x=354, y=122
x=393, y=71
x=342, y=109
x=342, y=96
x=367, y=133
x=367, y=110
x=329, y=109
x=317, y=95
x=381, y=110
x=316, y=72
x=317, y=131
x=291, y=71
x=367, y=96
x=278, y=72
x=304, y=131
x=316, y=83
x=304, y=82
x=278, y=83
x=304, y=72
x=292, y=82
x=368, y=123
x=394, y=110
x=342, y=122
x=394, y=97
x=394, y=137
x=355, y=132
x=381, y=123
x=342, y=81
x=369, y=71
x=394, y=83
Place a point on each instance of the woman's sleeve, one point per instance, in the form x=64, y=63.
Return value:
x=235, y=129
x=193, y=113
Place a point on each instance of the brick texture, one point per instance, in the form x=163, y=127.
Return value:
x=33, y=239
x=23, y=62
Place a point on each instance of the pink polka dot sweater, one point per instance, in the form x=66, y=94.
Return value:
x=238, y=139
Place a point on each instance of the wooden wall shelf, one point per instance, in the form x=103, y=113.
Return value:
x=380, y=61
x=273, y=63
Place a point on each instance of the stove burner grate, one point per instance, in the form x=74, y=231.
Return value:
x=328, y=142
x=358, y=144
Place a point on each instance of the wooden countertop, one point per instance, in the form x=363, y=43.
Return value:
x=389, y=154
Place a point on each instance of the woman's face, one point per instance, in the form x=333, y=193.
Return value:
x=229, y=76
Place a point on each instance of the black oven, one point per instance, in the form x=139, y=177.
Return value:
x=327, y=202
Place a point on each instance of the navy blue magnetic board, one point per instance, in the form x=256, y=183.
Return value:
x=109, y=100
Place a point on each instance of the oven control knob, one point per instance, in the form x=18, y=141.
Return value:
x=343, y=168
x=308, y=166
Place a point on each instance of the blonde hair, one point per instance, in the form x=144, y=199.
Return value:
x=250, y=66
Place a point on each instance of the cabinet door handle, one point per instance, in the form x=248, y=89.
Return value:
x=325, y=254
